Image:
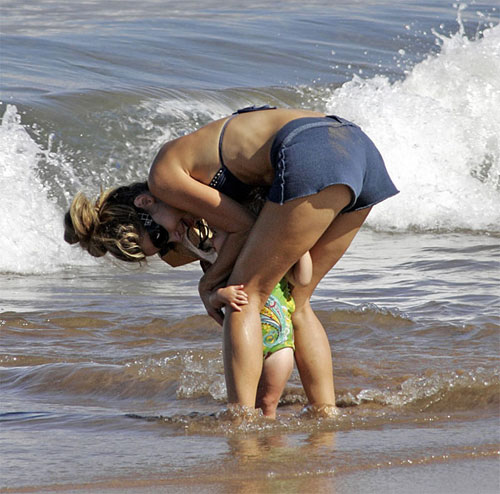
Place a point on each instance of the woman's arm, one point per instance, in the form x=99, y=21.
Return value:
x=218, y=210
x=219, y=272
x=169, y=182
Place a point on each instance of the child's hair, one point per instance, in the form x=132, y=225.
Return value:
x=111, y=223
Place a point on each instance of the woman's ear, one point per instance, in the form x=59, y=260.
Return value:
x=144, y=201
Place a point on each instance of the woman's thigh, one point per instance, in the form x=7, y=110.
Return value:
x=282, y=233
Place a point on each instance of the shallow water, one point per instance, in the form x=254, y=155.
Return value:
x=112, y=377
x=136, y=376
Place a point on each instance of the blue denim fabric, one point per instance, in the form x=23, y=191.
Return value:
x=312, y=153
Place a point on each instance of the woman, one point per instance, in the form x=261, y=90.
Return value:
x=323, y=175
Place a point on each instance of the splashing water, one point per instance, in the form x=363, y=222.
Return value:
x=30, y=219
x=439, y=132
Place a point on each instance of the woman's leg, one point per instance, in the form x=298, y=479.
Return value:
x=281, y=234
x=276, y=371
x=313, y=354
x=314, y=358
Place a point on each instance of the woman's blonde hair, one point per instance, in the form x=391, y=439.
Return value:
x=110, y=223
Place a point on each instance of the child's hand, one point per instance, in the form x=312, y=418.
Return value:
x=233, y=295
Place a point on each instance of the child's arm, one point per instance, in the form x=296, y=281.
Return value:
x=232, y=295
x=300, y=273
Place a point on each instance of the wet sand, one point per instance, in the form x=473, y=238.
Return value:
x=441, y=477
x=457, y=457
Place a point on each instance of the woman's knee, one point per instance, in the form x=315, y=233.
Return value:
x=302, y=317
x=302, y=299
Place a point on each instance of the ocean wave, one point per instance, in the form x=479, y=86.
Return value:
x=438, y=132
x=368, y=314
x=195, y=375
x=436, y=129
x=436, y=392
x=91, y=380
x=29, y=213
x=420, y=400
x=180, y=375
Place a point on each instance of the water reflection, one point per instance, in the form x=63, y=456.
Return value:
x=281, y=462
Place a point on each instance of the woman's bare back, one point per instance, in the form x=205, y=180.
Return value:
x=246, y=146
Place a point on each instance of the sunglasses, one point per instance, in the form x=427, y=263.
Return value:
x=157, y=234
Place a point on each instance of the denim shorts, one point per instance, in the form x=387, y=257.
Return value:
x=312, y=153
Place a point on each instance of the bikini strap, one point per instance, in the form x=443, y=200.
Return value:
x=247, y=109
x=221, y=137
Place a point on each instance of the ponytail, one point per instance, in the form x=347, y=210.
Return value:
x=108, y=224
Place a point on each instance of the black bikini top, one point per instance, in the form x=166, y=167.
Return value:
x=224, y=181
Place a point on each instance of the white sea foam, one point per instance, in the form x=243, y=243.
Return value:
x=438, y=130
x=30, y=221
x=439, y=133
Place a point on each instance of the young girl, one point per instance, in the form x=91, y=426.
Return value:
x=276, y=316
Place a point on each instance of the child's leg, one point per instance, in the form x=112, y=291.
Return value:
x=276, y=371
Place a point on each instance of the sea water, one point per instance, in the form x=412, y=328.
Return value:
x=113, y=376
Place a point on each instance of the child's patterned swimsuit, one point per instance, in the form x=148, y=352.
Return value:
x=276, y=319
